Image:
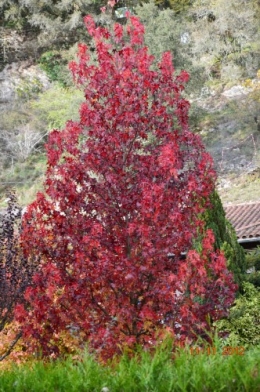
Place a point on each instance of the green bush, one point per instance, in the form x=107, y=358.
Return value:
x=55, y=66
x=243, y=323
x=58, y=105
x=141, y=372
x=253, y=264
x=29, y=88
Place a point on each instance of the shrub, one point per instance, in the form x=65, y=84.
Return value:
x=242, y=326
x=253, y=265
x=15, y=273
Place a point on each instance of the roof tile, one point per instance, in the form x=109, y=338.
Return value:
x=245, y=218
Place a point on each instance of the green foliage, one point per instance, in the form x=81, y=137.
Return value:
x=13, y=14
x=225, y=238
x=157, y=372
x=27, y=177
x=58, y=22
x=166, y=31
x=58, y=105
x=28, y=88
x=242, y=325
x=176, y=5
x=253, y=264
x=225, y=50
x=32, y=113
x=55, y=66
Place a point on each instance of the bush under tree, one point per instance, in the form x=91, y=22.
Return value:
x=241, y=327
x=16, y=270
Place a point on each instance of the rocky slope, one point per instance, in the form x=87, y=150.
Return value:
x=231, y=132
x=227, y=121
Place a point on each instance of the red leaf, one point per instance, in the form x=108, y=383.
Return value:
x=125, y=186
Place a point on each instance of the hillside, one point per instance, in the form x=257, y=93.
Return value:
x=37, y=94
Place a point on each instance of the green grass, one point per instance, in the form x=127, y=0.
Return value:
x=142, y=373
x=242, y=189
x=26, y=177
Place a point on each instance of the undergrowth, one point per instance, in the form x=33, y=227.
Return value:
x=188, y=370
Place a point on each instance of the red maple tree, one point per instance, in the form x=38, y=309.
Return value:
x=125, y=187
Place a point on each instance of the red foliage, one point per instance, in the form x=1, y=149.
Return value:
x=16, y=273
x=125, y=186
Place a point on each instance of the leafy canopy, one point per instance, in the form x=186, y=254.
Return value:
x=124, y=188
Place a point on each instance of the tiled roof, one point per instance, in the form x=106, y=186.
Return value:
x=245, y=218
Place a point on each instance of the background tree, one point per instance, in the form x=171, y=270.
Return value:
x=56, y=22
x=167, y=31
x=22, y=143
x=22, y=132
x=226, y=38
x=124, y=187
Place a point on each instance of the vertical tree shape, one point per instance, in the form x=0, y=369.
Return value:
x=124, y=188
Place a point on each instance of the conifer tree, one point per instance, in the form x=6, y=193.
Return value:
x=225, y=238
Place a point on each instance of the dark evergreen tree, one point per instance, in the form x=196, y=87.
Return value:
x=225, y=238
